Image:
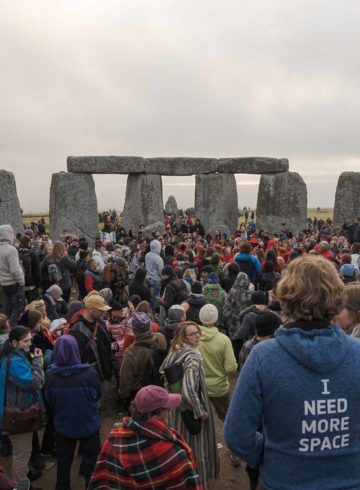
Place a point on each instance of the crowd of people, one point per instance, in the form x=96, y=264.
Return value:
x=167, y=319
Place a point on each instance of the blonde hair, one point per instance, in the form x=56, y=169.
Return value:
x=310, y=288
x=352, y=301
x=179, y=338
x=145, y=307
x=39, y=305
x=58, y=251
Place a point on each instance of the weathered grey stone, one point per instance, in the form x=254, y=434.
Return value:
x=73, y=205
x=143, y=201
x=347, y=198
x=157, y=227
x=171, y=206
x=10, y=212
x=106, y=165
x=216, y=201
x=253, y=165
x=181, y=166
x=282, y=198
x=139, y=165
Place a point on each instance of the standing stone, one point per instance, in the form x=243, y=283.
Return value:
x=282, y=198
x=216, y=202
x=171, y=206
x=347, y=198
x=144, y=203
x=10, y=212
x=73, y=205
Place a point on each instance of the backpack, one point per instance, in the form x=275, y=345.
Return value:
x=151, y=374
x=54, y=273
x=109, y=274
x=25, y=262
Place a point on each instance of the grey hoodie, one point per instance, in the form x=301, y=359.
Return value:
x=238, y=298
x=154, y=264
x=10, y=269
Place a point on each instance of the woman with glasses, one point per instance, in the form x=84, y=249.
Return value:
x=184, y=350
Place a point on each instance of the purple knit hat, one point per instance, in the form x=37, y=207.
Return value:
x=66, y=351
x=140, y=322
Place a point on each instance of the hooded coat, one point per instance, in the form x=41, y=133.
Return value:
x=304, y=386
x=10, y=269
x=238, y=298
x=154, y=264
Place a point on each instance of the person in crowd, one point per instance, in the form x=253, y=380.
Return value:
x=69, y=379
x=237, y=300
x=154, y=265
x=215, y=295
x=136, y=358
x=54, y=303
x=108, y=233
x=81, y=267
x=219, y=362
x=12, y=279
x=99, y=256
x=176, y=315
x=311, y=363
x=20, y=382
x=4, y=330
x=268, y=277
x=90, y=332
x=145, y=307
x=184, y=350
x=231, y=271
x=194, y=302
x=249, y=315
x=57, y=269
x=138, y=285
x=174, y=289
x=133, y=259
x=146, y=440
x=355, y=257
x=29, y=260
x=348, y=273
x=248, y=263
x=92, y=280
x=349, y=317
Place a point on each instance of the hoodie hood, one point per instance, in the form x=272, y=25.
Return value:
x=196, y=300
x=7, y=234
x=208, y=333
x=318, y=350
x=242, y=281
x=65, y=371
x=155, y=246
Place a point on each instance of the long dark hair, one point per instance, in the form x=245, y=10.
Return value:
x=17, y=333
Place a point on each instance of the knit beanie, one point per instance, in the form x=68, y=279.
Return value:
x=208, y=315
x=266, y=323
x=168, y=271
x=196, y=287
x=213, y=278
x=140, y=322
x=258, y=298
x=175, y=313
x=54, y=291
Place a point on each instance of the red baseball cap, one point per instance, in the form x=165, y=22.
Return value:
x=151, y=397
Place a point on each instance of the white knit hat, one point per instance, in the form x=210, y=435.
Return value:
x=208, y=315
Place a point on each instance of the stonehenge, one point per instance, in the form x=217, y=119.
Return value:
x=282, y=195
x=347, y=198
x=73, y=205
x=10, y=212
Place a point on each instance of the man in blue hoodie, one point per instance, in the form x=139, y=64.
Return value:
x=304, y=386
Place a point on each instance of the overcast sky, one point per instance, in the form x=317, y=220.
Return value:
x=179, y=78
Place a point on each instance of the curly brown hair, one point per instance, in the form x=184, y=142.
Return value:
x=310, y=288
x=179, y=338
x=352, y=301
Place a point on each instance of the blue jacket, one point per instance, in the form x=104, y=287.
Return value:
x=304, y=386
x=25, y=380
x=254, y=272
x=73, y=393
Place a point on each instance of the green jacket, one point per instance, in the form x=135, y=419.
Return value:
x=219, y=360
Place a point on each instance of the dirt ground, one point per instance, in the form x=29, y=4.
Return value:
x=231, y=478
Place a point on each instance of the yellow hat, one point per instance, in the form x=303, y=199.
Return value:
x=96, y=301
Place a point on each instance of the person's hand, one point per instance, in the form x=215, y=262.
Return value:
x=131, y=307
x=37, y=352
x=204, y=416
x=160, y=300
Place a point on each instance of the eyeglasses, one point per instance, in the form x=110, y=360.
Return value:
x=193, y=334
